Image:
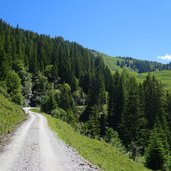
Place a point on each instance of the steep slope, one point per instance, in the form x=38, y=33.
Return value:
x=10, y=116
x=111, y=62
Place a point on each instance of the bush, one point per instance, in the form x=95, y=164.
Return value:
x=112, y=138
x=91, y=129
x=59, y=113
x=65, y=116
x=13, y=83
x=18, y=99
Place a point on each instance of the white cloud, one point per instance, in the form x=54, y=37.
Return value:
x=165, y=57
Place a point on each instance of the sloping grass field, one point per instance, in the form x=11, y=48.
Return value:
x=10, y=116
x=163, y=76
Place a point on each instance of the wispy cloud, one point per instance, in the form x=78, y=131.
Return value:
x=166, y=57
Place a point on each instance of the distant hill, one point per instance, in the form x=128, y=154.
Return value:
x=156, y=68
x=137, y=65
x=142, y=66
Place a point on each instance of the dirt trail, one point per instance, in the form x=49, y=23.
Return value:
x=34, y=147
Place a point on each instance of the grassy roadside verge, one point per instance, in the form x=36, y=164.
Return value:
x=10, y=116
x=97, y=152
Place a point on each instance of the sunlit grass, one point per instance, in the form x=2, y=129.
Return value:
x=10, y=115
x=97, y=152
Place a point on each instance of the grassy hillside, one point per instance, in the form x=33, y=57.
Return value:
x=97, y=152
x=10, y=116
x=163, y=76
x=111, y=63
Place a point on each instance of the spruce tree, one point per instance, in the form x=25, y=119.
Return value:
x=169, y=113
x=13, y=83
x=155, y=153
x=115, y=102
x=132, y=122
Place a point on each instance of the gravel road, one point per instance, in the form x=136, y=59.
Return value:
x=34, y=147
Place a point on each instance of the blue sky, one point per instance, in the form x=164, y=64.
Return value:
x=136, y=28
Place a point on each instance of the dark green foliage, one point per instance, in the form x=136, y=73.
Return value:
x=51, y=72
x=49, y=102
x=94, y=114
x=155, y=154
x=4, y=64
x=153, y=100
x=112, y=137
x=59, y=60
x=116, y=101
x=132, y=121
x=103, y=124
x=92, y=128
x=85, y=82
x=66, y=101
x=13, y=84
x=39, y=89
x=26, y=83
x=97, y=94
x=142, y=65
x=169, y=113
x=3, y=89
x=59, y=113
